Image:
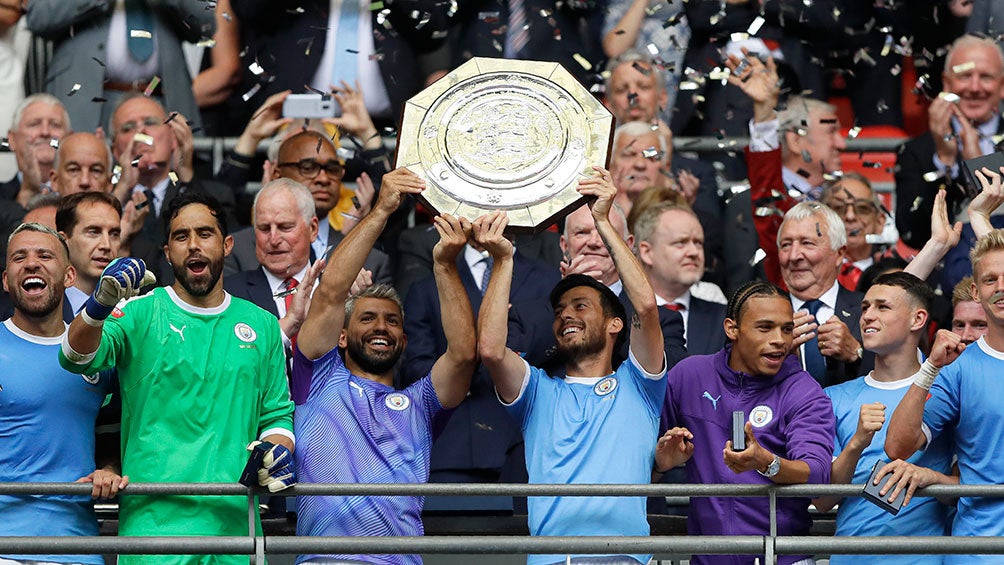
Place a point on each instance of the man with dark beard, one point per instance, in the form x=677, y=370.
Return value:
x=598, y=424
x=201, y=373
x=354, y=427
x=48, y=415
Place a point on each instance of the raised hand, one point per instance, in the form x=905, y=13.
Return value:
x=397, y=184
x=489, y=232
x=991, y=197
x=757, y=80
x=355, y=118
x=453, y=235
x=673, y=449
x=122, y=278
x=871, y=418
x=947, y=348
x=602, y=187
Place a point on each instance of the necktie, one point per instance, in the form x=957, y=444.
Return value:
x=139, y=19
x=849, y=276
x=674, y=306
x=346, y=62
x=815, y=364
x=517, y=33
x=290, y=283
x=489, y=262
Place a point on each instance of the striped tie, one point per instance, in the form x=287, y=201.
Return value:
x=518, y=33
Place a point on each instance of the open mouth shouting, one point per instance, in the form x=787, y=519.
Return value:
x=34, y=285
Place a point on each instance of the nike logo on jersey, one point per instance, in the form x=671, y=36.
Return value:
x=714, y=401
x=181, y=332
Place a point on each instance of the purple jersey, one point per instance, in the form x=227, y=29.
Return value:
x=354, y=430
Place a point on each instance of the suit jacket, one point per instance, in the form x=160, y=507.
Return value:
x=848, y=310
x=708, y=208
x=289, y=44
x=705, y=331
x=79, y=31
x=531, y=334
x=915, y=196
x=242, y=257
x=558, y=31
x=479, y=433
x=414, y=248
x=252, y=285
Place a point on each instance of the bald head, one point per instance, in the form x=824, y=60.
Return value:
x=83, y=163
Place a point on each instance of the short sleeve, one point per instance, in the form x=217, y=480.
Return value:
x=521, y=408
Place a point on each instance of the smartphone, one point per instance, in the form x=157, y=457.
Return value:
x=310, y=106
x=739, y=431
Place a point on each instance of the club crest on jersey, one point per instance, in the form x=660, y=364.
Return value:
x=244, y=332
x=92, y=379
x=761, y=416
x=605, y=386
x=397, y=401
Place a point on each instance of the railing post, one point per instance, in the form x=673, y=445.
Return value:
x=769, y=556
x=252, y=509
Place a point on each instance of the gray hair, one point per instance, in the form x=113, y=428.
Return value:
x=42, y=97
x=835, y=230
x=121, y=102
x=43, y=201
x=40, y=228
x=381, y=291
x=969, y=40
x=796, y=115
x=637, y=129
x=301, y=194
x=630, y=57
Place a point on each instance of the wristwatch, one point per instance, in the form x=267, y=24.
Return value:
x=772, y=469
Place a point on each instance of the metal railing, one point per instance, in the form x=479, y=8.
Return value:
x=257, y=546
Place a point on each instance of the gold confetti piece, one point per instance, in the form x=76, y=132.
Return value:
x=173, y=176
x=755, y=25
x=143, y=138
x=963, y=67
x=141, y=33
x=739, y=36
x=949, y=96
x=582, y=61
x=152, y=86
x=210, y=43
x=76, y=87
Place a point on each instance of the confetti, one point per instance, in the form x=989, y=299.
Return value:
x=254, y=90
x=209, y=43
x=895, y=70
x=143, y=138
x=963, y=67
x=650, y=153
x=641, y=68
x=256, y=69
x=803, y=173
x=98, y=61
x=819, y=233
x=582, y=61
x=135, y=162
x=171, y=117
x=152, y=86
x=375, y=6
x=673, y=20
x=887, y=46
x=755, y=25
x=932, y=176
x=226, y=16
x=173, y=176
x=739, y=36
x=54, y=143
x=653, y=49
x=853, y=132
x=140, y=33
x=116, y=174
x=949, y=97
x=76, y=87
x=759, y=256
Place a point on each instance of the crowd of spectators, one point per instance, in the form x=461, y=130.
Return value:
x=831, y=352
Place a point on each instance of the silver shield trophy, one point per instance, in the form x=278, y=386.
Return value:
x=499, y=134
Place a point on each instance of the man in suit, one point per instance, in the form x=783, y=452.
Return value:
x=90, y=224
x=301, y=43
x=811, y=245
x=854, y=200
x=963, y=123
x=586, y=254
x=103, y=50
x=39, y=120
x=789, y=153
x=310, y=159
x=538, y=30
x=480, y=442
x=670, y=246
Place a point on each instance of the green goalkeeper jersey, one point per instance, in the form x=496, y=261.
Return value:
x=198, y=384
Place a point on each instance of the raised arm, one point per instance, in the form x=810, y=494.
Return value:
x=905, y=435
x=646, y=331
x=320, y=331
x=121, y=279
x=944, y=236
x=989, y=199
x=451, y=374
x=871, y=418
x=504, y=366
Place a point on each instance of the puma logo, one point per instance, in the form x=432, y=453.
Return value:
x=714, y=401
x=358, y=388
x=181, y=332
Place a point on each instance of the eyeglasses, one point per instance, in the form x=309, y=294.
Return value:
x=147, y=122
x=310, y=168
x=861, y=207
